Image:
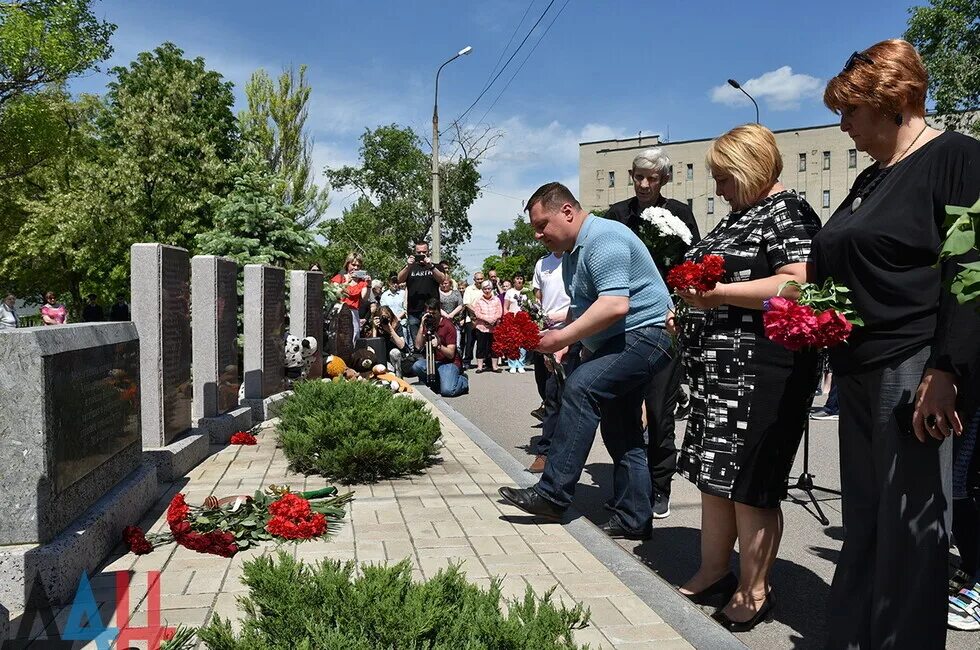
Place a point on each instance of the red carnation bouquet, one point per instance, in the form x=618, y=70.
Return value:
x=243, y=438
x=515, y=331
x=701, y=276
x=224, y=527
x=821, y=317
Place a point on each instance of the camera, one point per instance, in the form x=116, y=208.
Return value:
x=359, y=275
x=384, y=320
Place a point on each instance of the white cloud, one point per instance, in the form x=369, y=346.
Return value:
x=780, y=89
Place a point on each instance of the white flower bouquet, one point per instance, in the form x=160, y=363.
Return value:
x=664, y=234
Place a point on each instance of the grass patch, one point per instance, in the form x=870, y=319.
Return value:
x=292, y=605
x=354, y=432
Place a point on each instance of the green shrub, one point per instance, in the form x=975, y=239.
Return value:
x=355, y=432
x=293, y=605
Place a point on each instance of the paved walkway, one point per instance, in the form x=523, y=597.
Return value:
x=449, y=514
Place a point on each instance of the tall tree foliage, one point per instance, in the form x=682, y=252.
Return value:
x=170, y=125
x=253, y=224
x=519, y=241
x=395, y=176
x=43, y=43
x=947, y=35
x=274, y=125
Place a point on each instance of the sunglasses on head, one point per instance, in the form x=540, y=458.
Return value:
x=854, y=58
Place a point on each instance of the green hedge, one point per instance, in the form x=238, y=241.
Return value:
x=292, y=605
x=355, y=432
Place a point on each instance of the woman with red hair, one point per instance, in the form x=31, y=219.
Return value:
x=899, y=375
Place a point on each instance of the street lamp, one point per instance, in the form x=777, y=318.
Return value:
x=436, y=212
x=734, y=84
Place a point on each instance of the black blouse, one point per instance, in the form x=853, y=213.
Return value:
x=886, y=252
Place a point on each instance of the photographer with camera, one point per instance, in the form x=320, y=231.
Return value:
x=439, y=331
x=422, y=278
x=384, y=324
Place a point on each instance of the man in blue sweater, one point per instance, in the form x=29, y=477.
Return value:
x=619, y=305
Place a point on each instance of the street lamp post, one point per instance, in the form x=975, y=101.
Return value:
x=436, y=212
x=734, y=84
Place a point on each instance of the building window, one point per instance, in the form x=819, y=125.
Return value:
x=852, y=158
x=711, y=205
x=612, y=179
x=803, y=195
x=826, y=198
x=826, y=160
x=598, y=176
x=690, y=203
x=802, y=166
x=690, y=171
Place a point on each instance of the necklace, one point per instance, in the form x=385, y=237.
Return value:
x=880, y=176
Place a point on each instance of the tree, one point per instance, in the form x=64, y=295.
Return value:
x=58, y=230
x=273, y=124
x=395, y=175
x=43, y=43
x=947, y=35
x=519, y=241
x=253, y=224
x=508, y=267
x=170, y=126
x=361, y=229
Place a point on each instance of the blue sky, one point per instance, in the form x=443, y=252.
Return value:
x=605, y=69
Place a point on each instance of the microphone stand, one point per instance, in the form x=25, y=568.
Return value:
x=804, y=482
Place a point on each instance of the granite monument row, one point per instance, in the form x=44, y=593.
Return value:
x=98, y=419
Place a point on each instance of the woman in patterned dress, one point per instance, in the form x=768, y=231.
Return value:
x=749, y=396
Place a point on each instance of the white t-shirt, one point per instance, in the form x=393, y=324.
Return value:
x=512, y=297
x=548, y=280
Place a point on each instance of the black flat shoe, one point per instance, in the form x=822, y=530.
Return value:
x=718, y=594
x=616, y=530
x=765, y=614
x=531, y=502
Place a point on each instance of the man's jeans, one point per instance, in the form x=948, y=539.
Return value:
x=451, y=381
x=608, y=388
x=414, y=322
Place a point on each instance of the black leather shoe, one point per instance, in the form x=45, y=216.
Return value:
x=616, y=530
x=531, y=502
x=765, y=614
x=718, y=594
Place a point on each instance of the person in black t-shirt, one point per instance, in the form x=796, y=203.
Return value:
x=651, y=171
x=120, y=309
x=904, y=377
x=93, y=312
x=422, y=279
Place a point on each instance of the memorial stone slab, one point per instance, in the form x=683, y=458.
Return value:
x=265, y=322
x=306, y=311
x=161, y=311
x=69, y=423
x=215, y=332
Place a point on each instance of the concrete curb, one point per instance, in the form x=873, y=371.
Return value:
x=685, y=618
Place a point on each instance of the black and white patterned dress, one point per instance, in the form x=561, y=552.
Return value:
x=749, y=396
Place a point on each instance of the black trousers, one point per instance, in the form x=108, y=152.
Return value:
x=889, y=589
x=484, y=344
x=661, y=401
x=468, y=341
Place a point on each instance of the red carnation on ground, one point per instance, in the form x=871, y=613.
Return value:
x=178, y=510
x=136, y=540
x=293, y=519
x=514, y=332
x=243, y=438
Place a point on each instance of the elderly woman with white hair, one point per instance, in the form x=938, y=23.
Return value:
x=652, y=171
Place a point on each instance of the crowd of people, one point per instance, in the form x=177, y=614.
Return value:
x=904, y=386
x=53, y=312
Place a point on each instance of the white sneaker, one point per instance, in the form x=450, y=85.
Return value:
x=521, y=370
x=512, y=370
